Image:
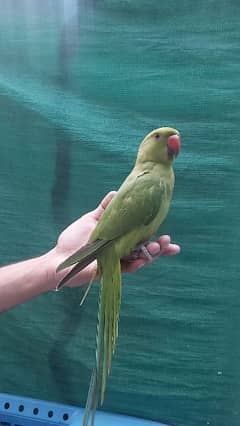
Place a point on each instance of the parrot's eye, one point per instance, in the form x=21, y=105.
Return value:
x=157, y=136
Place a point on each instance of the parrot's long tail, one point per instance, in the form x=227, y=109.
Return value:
x=107, y=332
x=81, y=259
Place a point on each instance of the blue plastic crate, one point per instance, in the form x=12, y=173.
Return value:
x=21, y=411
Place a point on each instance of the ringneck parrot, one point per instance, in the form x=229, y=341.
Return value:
x=131, y=218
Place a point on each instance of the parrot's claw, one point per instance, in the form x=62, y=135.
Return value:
x=146, y=253
x=139, y=251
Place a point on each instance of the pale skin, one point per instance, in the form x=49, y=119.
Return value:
x=25, y=280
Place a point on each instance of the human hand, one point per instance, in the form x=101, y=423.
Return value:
x=78, y=233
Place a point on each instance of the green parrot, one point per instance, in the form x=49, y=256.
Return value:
x=131, y=218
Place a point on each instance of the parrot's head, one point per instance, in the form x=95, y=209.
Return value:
x=160, y=146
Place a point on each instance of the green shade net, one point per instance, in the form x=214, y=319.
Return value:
x=81, y=83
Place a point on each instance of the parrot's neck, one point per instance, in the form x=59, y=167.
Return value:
x=149, y=166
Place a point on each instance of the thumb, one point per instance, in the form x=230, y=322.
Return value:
x=103, y=205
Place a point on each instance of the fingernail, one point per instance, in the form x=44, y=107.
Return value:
x=140, y=265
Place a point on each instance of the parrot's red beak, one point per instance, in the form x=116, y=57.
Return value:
x=173, y=145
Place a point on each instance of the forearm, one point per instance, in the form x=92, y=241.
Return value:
x=22, y=281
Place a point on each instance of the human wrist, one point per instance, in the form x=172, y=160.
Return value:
x=50, y=261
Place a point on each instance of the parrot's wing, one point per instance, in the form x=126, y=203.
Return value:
x=136, y=203
x=85, y=254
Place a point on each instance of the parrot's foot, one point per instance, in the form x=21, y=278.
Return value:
x=146, y=253
x=139, y=252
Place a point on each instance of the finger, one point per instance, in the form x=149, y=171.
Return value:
x=130, y=266
x=171, y=250
x=103, y=205
x=164, y=242
x=156, y=248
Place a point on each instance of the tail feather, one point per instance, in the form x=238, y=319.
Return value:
x=107, y=331
x=109, y=308
x=91, y=400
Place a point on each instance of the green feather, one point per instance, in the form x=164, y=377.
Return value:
x=107, y=331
